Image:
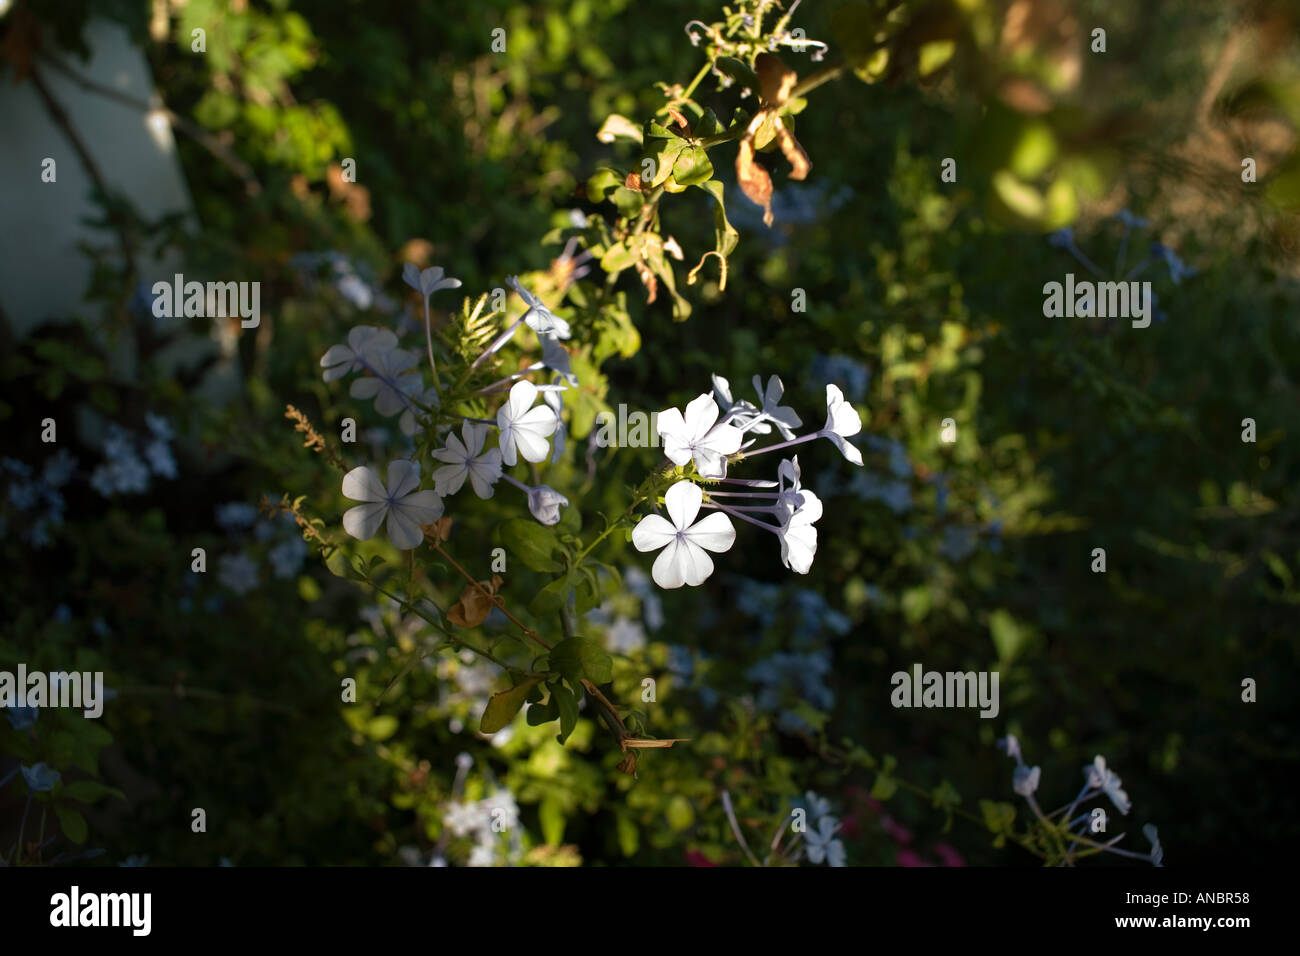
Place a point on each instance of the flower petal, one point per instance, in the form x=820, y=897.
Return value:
x=448, y=479
x=701, y=413
x=714, y=532
x=696, y=563
x=668, y=571
x=683, y=503
x=532, y=446
x=522, y=395
x=423, y=507
x=364, y=520
x=652, y=532
x=403, y=478
x=403, y=531
x=362, y=484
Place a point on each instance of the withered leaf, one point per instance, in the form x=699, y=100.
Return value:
x=753, y=178
x=775, y=79
x=473, y=607
x=793, y=151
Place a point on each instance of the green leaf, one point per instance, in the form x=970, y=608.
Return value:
x=617, y=258
x=617, y=126
x=629, y=837
x=692, y=167
x=999, y=817
x=551, y=814
x=539, y=714
x=1009, y=636
x=884, y=787
x=338, y=564
x=567, y=704
x=601, y=182
x=628, y=201
x=73, y=824
x=577, y=657
x=531, y=543
x=550, y=598
x=88, y=791
x=501, y=709
x=587, y=593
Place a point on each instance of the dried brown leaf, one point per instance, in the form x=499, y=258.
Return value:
x=792, y=151
x=775, y=79
x=753, y=178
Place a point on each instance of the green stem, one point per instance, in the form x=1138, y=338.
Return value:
x=817, y=79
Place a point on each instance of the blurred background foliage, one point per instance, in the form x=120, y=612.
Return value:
x=924, y=302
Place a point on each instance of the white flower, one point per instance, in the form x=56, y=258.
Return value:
x=365, y=342
x=538, y=317
x=545, y=504
x=523, y=426
x=821, y=845
x=463, y=460
x=817, y=807
x=740, y=410
x=782, y=416
x=429, y=281
x=463, y=819
x=1011, y=744
x=684, y=559
x=1025, y=780
x=391, y=383
x=1100, y=778
x=798, y=536
x=842, y=421
x=504, y=801
x=405, y=508
x=696, y=436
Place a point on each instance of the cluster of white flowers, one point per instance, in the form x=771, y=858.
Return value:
x=484, y=820
x=1098, y=780
x=699, y=436
x=390, y=375
x=820, y=844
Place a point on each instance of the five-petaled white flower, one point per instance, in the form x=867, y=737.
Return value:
x=1107, y=781
x=365, y=342
x=684, y=558
x=822, y=847
x=696, y=436
x=782, y=416
x=842, y=421
x=739, y=410
x=406, y=508
x=523, y=426
x=538, y=317
x=466, y=459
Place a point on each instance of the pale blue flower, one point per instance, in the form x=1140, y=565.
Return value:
x=40, y=777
